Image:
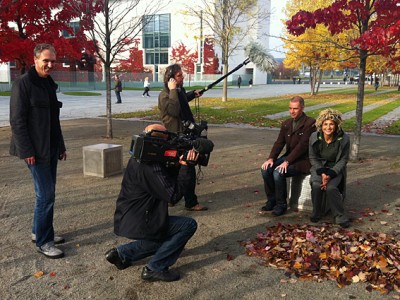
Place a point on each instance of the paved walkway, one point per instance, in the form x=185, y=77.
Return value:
x=77, y=107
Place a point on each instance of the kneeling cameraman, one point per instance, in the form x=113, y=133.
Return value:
x=142, y=214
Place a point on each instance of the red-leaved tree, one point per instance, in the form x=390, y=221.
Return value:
x=373, y=28
x=134, y=64
x=211, y=61
x=23, y=24
x=185, y=57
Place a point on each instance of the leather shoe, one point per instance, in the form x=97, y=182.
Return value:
x=315, y=219
x=279, y=210
x=345, y=224
x=112, y=257
x=197, y=207
x=166, y=275
x=268, y=206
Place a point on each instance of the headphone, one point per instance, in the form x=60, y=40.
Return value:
x=170, y=73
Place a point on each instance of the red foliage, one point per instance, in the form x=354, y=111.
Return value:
x=24, y=24
x=134, y=64
x=379, y=35
x=185, y=57
x=211, y=61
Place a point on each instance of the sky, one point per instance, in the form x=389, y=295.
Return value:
x=275, y=44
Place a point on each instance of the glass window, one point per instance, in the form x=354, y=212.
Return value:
x=75, y=27
x=164, y=58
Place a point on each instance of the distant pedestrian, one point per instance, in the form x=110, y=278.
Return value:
x=146, y=85
x=239, y=81
x=294, y=80
x=376, y=85
x=118, y=88
x=250, y=82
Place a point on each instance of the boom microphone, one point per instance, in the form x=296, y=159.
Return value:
x=258, y=55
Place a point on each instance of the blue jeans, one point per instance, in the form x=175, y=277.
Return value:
x=165, y=252
x=275, y=182
x=44, y=179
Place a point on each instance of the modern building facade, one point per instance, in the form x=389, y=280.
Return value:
x=174, y=24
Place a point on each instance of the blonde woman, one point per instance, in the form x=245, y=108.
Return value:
x=146, y=86
x=329, y=153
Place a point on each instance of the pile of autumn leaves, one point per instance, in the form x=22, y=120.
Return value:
x=326, y=252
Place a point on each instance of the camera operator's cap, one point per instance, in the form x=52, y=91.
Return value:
x=157, y=128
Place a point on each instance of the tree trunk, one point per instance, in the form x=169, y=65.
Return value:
x=108, y=102
x=225, y=87
x=359, y=108
x=108, y=70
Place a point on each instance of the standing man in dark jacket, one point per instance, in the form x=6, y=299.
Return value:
x=117, y=88
x=173, y=103
x=294, y=134
x=37, y=138
x=142, y=214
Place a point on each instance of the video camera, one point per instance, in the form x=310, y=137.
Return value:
x=149, y=148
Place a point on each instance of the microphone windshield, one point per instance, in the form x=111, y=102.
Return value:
x=260, y=57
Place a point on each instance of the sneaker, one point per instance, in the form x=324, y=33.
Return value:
x=50, y=251
x=57, y=239
x=166, y=275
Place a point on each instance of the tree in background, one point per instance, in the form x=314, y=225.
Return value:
x=282, y=72
x=372, y=28
x=232, y=22
x=23, y=24
x=210, y=60
x=134, y=64
x=187, y=58
x=114, y=30
x=310, y=50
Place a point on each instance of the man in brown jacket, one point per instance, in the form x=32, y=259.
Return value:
x=294, y=134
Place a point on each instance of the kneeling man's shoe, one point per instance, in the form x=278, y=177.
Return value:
x=112, y=257
x=166, y=275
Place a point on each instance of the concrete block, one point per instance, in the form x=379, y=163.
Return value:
x=102, y=160
x=299, y=192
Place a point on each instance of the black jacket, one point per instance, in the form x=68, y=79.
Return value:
x=30, y=117
x=142, y=205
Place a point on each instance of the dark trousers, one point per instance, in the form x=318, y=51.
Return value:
x=333, y=198
x=146, y=91
x=118, y=95
x=165, y=252
x=190, y=181
x=275, y=182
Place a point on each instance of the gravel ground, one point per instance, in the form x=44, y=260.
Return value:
x=214, y=264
